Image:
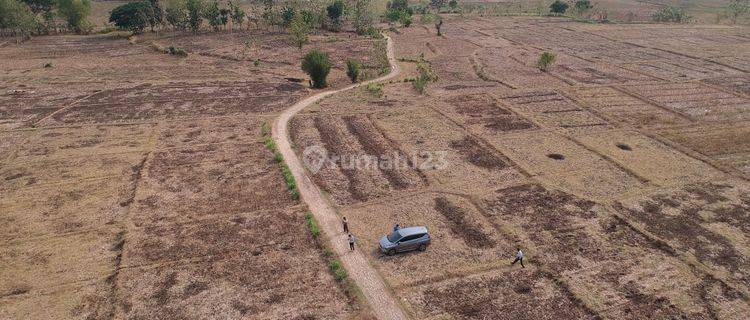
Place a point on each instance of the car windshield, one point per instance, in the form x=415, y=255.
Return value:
x=394, y=237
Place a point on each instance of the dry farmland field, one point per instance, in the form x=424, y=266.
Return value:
x=622, y=171
x=135, y=184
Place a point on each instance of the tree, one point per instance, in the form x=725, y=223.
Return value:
x=581, y=6
x=335, y=10
x=737, y=8
x=157, y=14
x=317, y=65
x=39, y=6
x=237, y=14
x=353, y=70
x=453, y=4
x=438, y=25
x=299, y=30
x=213, y=14
x=133, y=16
x=558, y=7
x=362, y=17
x=75, y=13
x=195, y=14
x=17, y=17
x=437, y=4
x=546, y=59
x=177, y=14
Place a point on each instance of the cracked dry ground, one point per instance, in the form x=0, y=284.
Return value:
x=135, y=185
x=622, y=172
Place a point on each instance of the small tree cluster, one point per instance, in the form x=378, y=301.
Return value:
x=17, y=18
x=737, y=9
x=398, y=10
x=582, y=6
x=670, y=14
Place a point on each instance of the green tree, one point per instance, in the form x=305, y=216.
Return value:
x=362, y=17
x=438, y=26
x=546, y=59
x=670, y=14
x=195, y=14
x=298, y=30
x=18, y=18
x=453, y=4
x=157, y=14
x=558, y=7
x=335, y=11
x=237, y=14
x=317, y=65
x=738, y=8
x=75, y=13
x=212, y=13
x=581, y=6
x=177, y=14
x=353, y=69
x=40, y=6
x=133, y=16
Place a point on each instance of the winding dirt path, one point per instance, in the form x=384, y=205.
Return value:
x=384, y=305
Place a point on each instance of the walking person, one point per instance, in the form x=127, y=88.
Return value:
x=351, y=242
x=519, y=258
x=345, y=224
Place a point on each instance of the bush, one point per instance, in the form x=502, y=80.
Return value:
x=453, y=4
x=546, y=59
x=133, y=16
x=558, y=7
x=582, y=6
x=75, y=13
x=256, y=62
x=299, y=30
x=425, y=76
x=670, y=14
x=353, y=70
x=212, y=13
x=176, y=51
x=317, y=65
x=237, y=14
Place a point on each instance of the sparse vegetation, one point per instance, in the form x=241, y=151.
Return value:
x=177, y=14
x=312, y=225
x=176, y=51
x=375, y=89
x=546, y=59
x=670, y=14
x=195, y=14
x=737, y=9
x=317, y=65
x=291, y=183
x=582, y=6
x=335, y=11
x=338, y=270
x=362, y=17
x=18, y=18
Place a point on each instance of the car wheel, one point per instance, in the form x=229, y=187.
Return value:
x=422, y=247
x=391, y=252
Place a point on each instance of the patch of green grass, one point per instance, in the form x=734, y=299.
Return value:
x=375, y=89
x=291, y=183
x=338, y=270
x=313, y=226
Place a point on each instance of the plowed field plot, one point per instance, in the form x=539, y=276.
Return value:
x=695, y=100
x=708, y=220
x=561, y=163
x=726, y=143
x=135, y=184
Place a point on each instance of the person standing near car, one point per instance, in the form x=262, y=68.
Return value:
x=351, y=242
x=345, y=224
x=519, y=258
x=396, y=227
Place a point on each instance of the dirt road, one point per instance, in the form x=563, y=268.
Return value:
x=383, y=304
